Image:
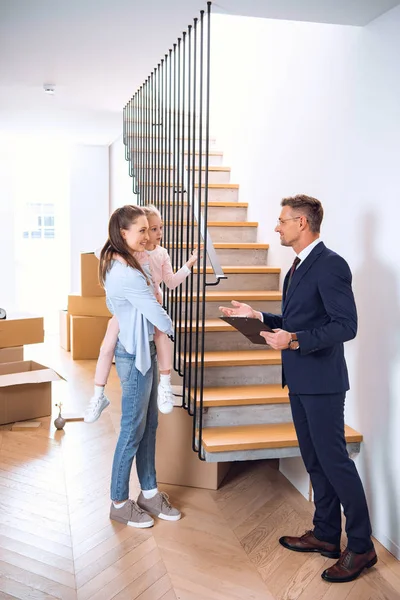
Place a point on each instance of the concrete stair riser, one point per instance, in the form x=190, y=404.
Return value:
x=235, y=256
x=245, y=281
x=230, y=340
x=166, y=192
x=218, y=233
x=241, y=375
x=252, y=414
x=215, y=213
x=213, y=312
x=158, y=161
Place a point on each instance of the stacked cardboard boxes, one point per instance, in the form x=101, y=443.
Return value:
x=25, y=386
x=83, y=325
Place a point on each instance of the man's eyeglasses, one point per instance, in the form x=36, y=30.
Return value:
x=283, y=221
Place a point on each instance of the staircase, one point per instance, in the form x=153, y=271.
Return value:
x=246, y=413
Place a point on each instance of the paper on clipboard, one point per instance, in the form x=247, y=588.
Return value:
x=250, y=328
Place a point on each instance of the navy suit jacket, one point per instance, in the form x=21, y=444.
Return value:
x=319, y=306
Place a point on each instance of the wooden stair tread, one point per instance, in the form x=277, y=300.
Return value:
x=253, y=437
x=260, y=269
x=211, y=325
x=218, y=223
x=234, y=245
x=214, y=186
x=239, y=358
x=243, y=395
x=218, y=169
x=239, y=295
x=224, y=204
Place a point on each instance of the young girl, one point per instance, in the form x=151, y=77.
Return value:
x=157, y=259
x=137, y=312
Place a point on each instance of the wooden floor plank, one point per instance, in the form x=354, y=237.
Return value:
x=16, y=589
x=55, y=530
x=37, y=582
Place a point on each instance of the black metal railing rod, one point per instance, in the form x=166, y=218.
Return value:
x=178, y=242
x=200, y=292
x=138, y=143
x=180, y=366
x=146, y=140
x=205, y=219
x=152, y=135
x=162, y=137
x=149, y=135
x=192, y=355
x=134, y=143
x=167, y=217
x=156, y=157
x=189, y=281
x=172, y=220
x=176, y=198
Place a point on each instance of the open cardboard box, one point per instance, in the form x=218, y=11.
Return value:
x=11, y=354
x=19, y=329
x=25, y=391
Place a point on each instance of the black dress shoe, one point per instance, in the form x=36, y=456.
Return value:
x=350, y=566
x=309, y=543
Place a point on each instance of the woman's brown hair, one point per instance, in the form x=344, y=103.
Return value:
x=122, y=218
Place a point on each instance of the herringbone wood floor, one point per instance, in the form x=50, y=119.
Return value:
x=56, y=540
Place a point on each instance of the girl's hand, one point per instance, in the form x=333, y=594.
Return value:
x=193, y=259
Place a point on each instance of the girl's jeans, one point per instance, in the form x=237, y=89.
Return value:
x=139, y=422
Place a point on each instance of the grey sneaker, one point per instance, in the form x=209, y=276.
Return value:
x=131, y=514
x=159, y=506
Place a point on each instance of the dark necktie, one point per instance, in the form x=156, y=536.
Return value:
x=296, y=261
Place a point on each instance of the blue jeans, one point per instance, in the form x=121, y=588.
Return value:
x=139, y=422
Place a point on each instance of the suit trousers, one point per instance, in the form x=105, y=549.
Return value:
x=319, y=423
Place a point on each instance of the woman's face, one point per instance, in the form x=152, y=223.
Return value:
x=137, y=236
x=155, y=230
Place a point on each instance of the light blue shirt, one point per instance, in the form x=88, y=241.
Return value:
x=137, y=310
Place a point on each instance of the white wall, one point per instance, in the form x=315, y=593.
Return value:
x=307, y=108
x=89, y=204
x=121, y=184
x=7, y=246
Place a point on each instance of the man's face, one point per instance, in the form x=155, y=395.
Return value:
x=288, y=226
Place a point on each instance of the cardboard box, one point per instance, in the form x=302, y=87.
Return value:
x=20, y=329
x=87, y=334
x=65, y=334
x=11, y=354
x=81, y=306
x=90, y=285
x=25, y=391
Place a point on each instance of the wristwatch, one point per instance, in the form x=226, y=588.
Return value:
x=294, y=342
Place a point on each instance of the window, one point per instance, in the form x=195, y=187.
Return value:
x=39, y=221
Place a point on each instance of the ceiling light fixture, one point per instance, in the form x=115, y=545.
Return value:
x=49, y=88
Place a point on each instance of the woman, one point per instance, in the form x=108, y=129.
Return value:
x=130, y=294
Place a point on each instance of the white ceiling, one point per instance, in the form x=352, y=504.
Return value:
x=98, y=52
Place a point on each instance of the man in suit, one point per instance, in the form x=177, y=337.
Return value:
x=318, y=316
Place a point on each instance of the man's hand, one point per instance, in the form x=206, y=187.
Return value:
x=279, y=340
x=239, y=310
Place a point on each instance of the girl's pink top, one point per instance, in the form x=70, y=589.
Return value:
x=161, y=268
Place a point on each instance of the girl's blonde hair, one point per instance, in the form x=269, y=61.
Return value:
x=151, y=211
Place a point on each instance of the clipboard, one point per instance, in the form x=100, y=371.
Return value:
x=249, y=327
